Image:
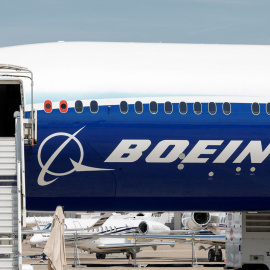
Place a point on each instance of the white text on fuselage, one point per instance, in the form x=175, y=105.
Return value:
x=132, y=150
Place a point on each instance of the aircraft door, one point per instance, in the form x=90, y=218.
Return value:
x=10, y=101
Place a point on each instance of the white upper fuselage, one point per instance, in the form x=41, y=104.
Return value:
x=95, y=70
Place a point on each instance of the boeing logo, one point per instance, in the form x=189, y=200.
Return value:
x=77, y=166
x=132, y=150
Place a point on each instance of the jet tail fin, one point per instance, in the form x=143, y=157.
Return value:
x=100, y=221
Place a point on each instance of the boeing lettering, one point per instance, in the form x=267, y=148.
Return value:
x=132, y=150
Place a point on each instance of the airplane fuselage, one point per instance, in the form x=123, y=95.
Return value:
x=151, y=161
x=104, y=159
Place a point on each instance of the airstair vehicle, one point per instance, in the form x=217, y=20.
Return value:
x=16, y=131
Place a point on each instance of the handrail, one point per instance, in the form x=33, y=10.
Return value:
x=19, y=214
x=22, y=169
x=18, y=123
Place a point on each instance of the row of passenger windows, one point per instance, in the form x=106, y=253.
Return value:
x=153, y=107
x=168, y=107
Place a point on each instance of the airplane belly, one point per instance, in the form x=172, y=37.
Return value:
x=112, y=161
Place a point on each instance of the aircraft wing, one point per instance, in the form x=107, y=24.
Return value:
x=132, y=245
x=204, y=239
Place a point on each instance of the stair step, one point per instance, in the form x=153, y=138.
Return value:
x=8, y=212
x=8, y=222
x=7, y=166
x=8, y=190
x=4, y=216
x=11, y=154
x=8, y=229
x=7, y=148
x=11, y=196
x=7, y=262
x=5, y=160
x=8, y=208
x=8, y=172
x=5, y=239
x=8, y=249
x=8, y=241
x=8, y=236
x=5, y=203
x=7, y=142
x=7, y=182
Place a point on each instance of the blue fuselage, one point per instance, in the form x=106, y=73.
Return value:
x=139, y=185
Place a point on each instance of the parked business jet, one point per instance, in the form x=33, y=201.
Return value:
x=140, y=223
x=214, y=222
x=143, y=127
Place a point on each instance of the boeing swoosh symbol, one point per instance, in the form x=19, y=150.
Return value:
x=77, y=166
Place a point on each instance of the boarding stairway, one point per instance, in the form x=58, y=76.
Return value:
x=9, y=222
x=12, y=186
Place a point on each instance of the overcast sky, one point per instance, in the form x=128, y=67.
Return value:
x=177, y=21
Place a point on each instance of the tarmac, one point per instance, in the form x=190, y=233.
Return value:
x=165, y=257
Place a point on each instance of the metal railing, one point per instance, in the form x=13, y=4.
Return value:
x=19, y=173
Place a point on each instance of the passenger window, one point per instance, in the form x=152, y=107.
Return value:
x=123, y=107
x=268, y=108
x=78, y=106
x=63, y=106
x=212, y=108
x=153, y=107
x=48, y=106
x=94, y=106
x=197, y=107
x=255, y=108
x=138, y=107
x=226, y=107
x=168, y=107
x=183, y=107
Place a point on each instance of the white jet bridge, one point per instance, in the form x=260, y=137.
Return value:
x=16, y=131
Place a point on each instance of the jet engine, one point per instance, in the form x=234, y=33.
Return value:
x=196, y=221
x=152, y=227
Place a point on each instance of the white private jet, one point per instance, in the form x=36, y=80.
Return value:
x=110, y=236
